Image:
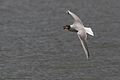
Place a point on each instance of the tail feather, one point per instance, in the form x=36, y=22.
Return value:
x=89, y=31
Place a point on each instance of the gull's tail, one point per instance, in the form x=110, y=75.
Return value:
x=89, y=31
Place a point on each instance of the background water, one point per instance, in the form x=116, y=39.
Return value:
x=33, y=45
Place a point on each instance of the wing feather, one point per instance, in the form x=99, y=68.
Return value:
x=75, y=17
x=84, y=45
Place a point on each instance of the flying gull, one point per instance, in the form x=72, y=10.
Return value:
x=81, y=31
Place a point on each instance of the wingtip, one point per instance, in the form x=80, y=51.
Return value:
x=88, y=57
x=67, y=11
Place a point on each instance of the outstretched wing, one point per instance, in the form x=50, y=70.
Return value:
x=84, y=45
x=76, y=18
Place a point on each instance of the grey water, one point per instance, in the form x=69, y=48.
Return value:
x=34, y=46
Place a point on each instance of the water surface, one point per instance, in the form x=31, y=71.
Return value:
x=33, y=45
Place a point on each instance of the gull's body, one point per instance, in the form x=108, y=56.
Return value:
x=82, y=31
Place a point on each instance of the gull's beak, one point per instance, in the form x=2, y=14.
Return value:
x=63, y=27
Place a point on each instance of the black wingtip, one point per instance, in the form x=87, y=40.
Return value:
x=67, y=12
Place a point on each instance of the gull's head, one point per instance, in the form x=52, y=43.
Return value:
x=66, y=27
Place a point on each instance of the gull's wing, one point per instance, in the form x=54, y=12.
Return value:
x=84, y=45
x=76, y=18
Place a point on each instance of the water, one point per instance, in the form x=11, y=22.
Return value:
x=33, y=45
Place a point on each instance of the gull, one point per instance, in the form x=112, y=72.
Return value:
x=81, y=31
